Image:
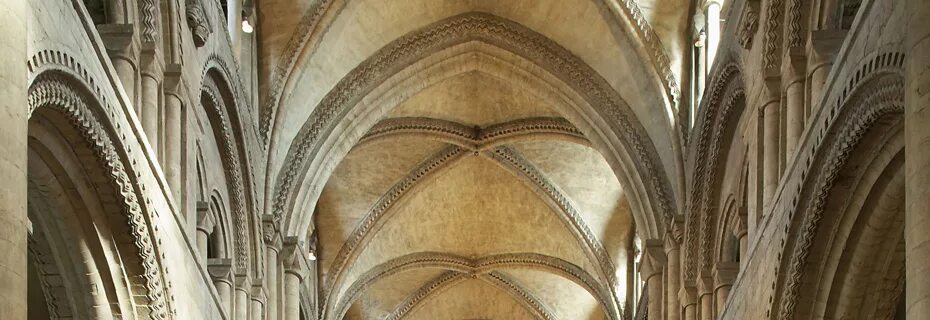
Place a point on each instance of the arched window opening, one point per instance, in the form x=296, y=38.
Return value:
x=734, y=248
x=848, y=11
x=97, y=10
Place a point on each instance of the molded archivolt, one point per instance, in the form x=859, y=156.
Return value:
x=56, y=94
x=630, y=147
x=316, y=22
x=215, y=99
x=722, y=109
x=485, y=267
x=869, y=106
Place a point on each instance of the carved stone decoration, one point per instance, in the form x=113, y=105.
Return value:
x=734, y=99
x=723, y=86
x=748, y=24
x=433, y=287
x=310, y=24
x=772, y=34
x=217, y=108
x=198, y=22
x=793, y=24
x=149, y=9
x=876, y=91
x=374, y=219
x=472, y=138
x=511, y=160
x=471, y=266
x=55, y=90
x=456, y=30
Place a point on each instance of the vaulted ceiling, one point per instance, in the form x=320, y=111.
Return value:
x=471, y=159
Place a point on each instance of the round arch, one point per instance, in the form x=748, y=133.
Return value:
x=71, y=144
x=334, y=125
x=864, y=146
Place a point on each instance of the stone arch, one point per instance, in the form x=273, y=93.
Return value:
x=61, y=101
x=473, y=267
x=315, y=22
x=727, y=247
x=868, y=113
x=722, y=113
x=621, y=138
x=219, y=104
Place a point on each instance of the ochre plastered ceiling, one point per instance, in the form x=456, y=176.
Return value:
x=473, y=182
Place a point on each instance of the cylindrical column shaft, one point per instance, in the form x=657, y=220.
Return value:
x=794, y=117
x=712, y=12
x=917, y=158
x=150, y=114
x=202, y=239
x=770, y=155
x=234, y=25
x=257, y=310
x=673, y=267
x=224, y=289
x=818, y=81
x=242, y=302
x=271, y=282
x=126, y=71
x=690, y=312
x=291, y=296
x=707, y=306
x=13, y=159
x=654, y=292
x=723, y=292
x=173, y=149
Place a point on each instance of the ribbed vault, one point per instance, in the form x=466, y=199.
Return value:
x=471, y=162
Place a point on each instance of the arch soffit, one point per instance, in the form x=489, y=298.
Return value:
x=317, y=20
x=873, y=93
x=361, y=81
x=59, y=81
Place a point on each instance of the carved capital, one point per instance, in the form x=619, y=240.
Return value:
x=152, y=62
x=822, y=47
x=771, y=91
x=725, y=273
x=270, y=234
x=687, y=295
x=794, y=67
x=705, y=284
x=116, y=37
x=205, y=220
x=291, y=257
x=172, y=77
x=243, y=282
x=653, y=258
x=741, y=229
x=258, y=291
x=220, y=270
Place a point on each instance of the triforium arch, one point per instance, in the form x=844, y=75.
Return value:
x=852, y=195
x=85, y=194
x=712, y=144
x=219, y=103
x=615, y=129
